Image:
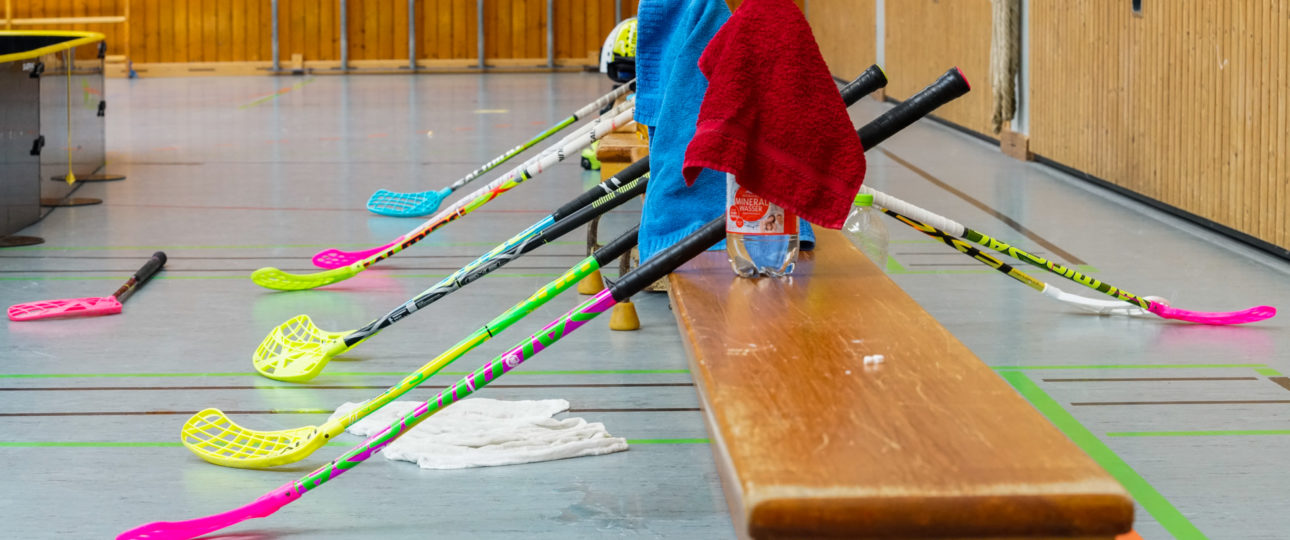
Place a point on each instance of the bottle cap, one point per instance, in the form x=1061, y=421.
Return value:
x=864, y=199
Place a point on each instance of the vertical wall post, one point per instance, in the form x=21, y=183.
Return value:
x=344, y=35
x=273, y=6
x=550, y=34
x=412, y=35
x=1021, y=118
x=479, y=17
x=618, y=11
x=8, y=14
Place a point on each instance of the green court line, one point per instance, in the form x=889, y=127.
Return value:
x=255, y=246
x=1268, y=372
x=1128, y=366
x=333, y=374
x=75, y=444
x=894, y=267
x=1212, y=433
x=1142, y=491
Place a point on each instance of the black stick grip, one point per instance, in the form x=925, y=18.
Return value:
x=631, y=172
x=950, y=86
x=157, y=261
x=669, y=259
x=588, y=212
x=867, y=83
x=617, y=247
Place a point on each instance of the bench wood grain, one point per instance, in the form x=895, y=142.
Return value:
x=929, y=444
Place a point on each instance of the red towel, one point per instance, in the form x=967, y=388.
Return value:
x=773, y=116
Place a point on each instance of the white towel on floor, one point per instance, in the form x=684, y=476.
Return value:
x=481, y=432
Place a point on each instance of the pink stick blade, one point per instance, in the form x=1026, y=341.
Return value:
x=335, y=258
x=183, y=530
x=69, y=307
x=1253, y=314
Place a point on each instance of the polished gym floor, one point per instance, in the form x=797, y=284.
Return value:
x=227, y=175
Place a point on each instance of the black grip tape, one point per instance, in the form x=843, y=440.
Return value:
x=631, y=172
x=617, y=248
x=584, y=215
x=149, y=268
x=669, y=259
x=867, y=83
x=950, y=86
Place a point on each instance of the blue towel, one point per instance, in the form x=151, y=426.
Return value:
x=671, y=35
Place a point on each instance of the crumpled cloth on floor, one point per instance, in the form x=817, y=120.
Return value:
x=481, y=432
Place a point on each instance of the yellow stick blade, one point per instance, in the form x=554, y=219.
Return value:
x=212, y=436
x=272, y=278
x=297, y=350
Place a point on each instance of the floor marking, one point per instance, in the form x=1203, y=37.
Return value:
x=1268, y=372
x=1129, y=366
x=290, y=411
x=334, y=387
x=92, y=444
x=1284, y=382
x=1152, y=379
x=1142, y=491
x=332, y=374
x=276, y=95
x=1202, y=433
x=1216, y=402
x=1034, y=237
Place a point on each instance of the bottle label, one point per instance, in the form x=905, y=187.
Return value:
x=748, y=213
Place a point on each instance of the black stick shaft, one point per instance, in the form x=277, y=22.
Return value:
x=140, y=277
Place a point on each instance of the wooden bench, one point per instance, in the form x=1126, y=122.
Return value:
x=931, y=443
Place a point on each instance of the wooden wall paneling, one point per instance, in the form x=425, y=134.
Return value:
x=926, y=37
x=534, y=34
x=467, y=26
x=563, y=28
x=398, y=38
x=577, y=27
x=518, y=38
x=845, y=31
x=237, y=27
x=1193, y=116
x=596, y=32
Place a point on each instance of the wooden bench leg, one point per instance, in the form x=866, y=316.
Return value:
x=624, y=316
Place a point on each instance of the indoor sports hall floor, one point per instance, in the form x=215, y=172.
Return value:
x=232, y=174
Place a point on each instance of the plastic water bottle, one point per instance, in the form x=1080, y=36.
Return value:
x=761, y=237
x=866, y=231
